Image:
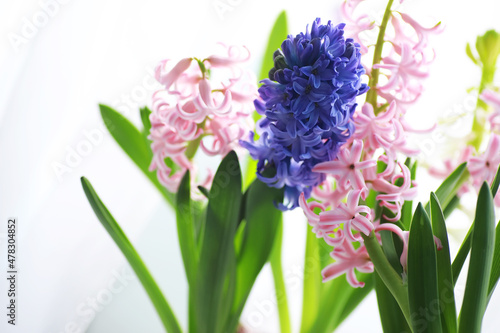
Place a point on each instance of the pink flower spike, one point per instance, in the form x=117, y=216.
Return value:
x=347, y=168
x=346, y=260
x=348, y=214
x=484, y=167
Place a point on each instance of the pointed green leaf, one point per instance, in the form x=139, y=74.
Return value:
x=217, y=262
x=391, y=317
x=146, y=123
x=338, y=299
x=481, y=257
x=422, y=275
x=495, y=268
x=445, y=276
x=279, y=282
x=463, y=252
x=278, y=34
x=312, y=282
x=262, y=221
x=450, y=186
x=471, y=56
x=186, y=228
x=131, y=140
x=155, y=294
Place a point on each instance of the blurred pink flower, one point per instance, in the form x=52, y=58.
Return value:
x=484, y=167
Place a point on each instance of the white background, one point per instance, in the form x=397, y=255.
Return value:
x=91, y=52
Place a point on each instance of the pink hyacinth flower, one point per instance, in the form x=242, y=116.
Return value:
x=346, y=260
x=350, y=214
x=395, y=195
x=347, y=168
x=402, y=70
x=484, y=167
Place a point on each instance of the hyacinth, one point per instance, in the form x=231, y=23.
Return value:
x=193, y=110
x=368, y=160
x=307, y=102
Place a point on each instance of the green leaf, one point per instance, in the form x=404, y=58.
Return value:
x=496, y=183
x=388, y=275
x=449, y=188
x=391, y=317
x=422, y=275
x=217, y=264
x=465, y=247
x=279, y=282
x=481, y=256
x=186, y=228
x=155, y=294
x=131, y=140
x=146, y=123
x=204, y=191
x=495, y=268
x=262, y=222
x=278, y=34
x=392, y=246
x=338, y=300
x=312, y=282
x=355, y=297
x=452, y=205
x=469, y=53
x=445, y=275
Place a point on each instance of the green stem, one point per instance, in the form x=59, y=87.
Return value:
x=371, y=96
x=388, y=275
x=279, y=282
x=477, y=124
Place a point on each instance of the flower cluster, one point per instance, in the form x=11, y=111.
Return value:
x=307, y=103
x=368, y=161
x=192, y=111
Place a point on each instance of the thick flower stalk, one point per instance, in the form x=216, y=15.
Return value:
x=369, y=160
x=195, y=111
x=307, y=102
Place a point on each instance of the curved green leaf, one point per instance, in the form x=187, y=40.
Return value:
x=186, y=228
x=450, y=186
x=312, y=282
x=445, y=276
x=279, y=282
x=155, y=294
x=459, y=260
x=262, y=222
x=214, y=291
x=481, y=257
x=495, y=268
x=276, y=37
x=422, y=275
